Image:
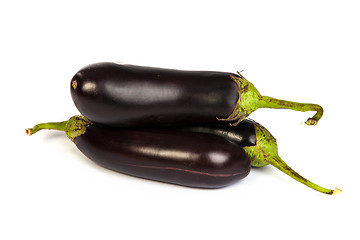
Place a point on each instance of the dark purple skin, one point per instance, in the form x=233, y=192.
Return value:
x=127, y=95
x=243, y=133
x=184, y=158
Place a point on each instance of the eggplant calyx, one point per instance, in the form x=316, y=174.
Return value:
x=265, y=148
x=76, y=126
x=246, y=103
x=250, y=100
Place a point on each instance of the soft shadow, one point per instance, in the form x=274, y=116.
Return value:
x=54, y=135
x=271, y=172
x=263, y=170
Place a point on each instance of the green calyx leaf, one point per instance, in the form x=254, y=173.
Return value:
x=76, y=126
x=247, y=101
x=265, y=148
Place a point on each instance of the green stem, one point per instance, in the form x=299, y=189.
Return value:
x=269, y=102
x=61, y=126
x=282, y=166
x=74, y=127
x=266, y=152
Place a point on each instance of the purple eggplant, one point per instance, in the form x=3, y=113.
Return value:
x=194, y=156
x=184, y=158
x=128, y=95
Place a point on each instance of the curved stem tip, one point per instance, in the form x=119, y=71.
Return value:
x=269, y=102
x=282, y=166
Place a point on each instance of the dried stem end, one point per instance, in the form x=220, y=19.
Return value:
x=28, y=131
x=336, y=191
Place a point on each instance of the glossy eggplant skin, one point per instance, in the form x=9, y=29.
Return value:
x=243, y=133
x=184, y=158
x=128, y=95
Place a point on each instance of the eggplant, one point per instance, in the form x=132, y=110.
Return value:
x=184, y=158
x=128, y=95
x=193, y=156
x=259, y=144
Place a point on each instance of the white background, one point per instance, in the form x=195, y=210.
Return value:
x=306, y=51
